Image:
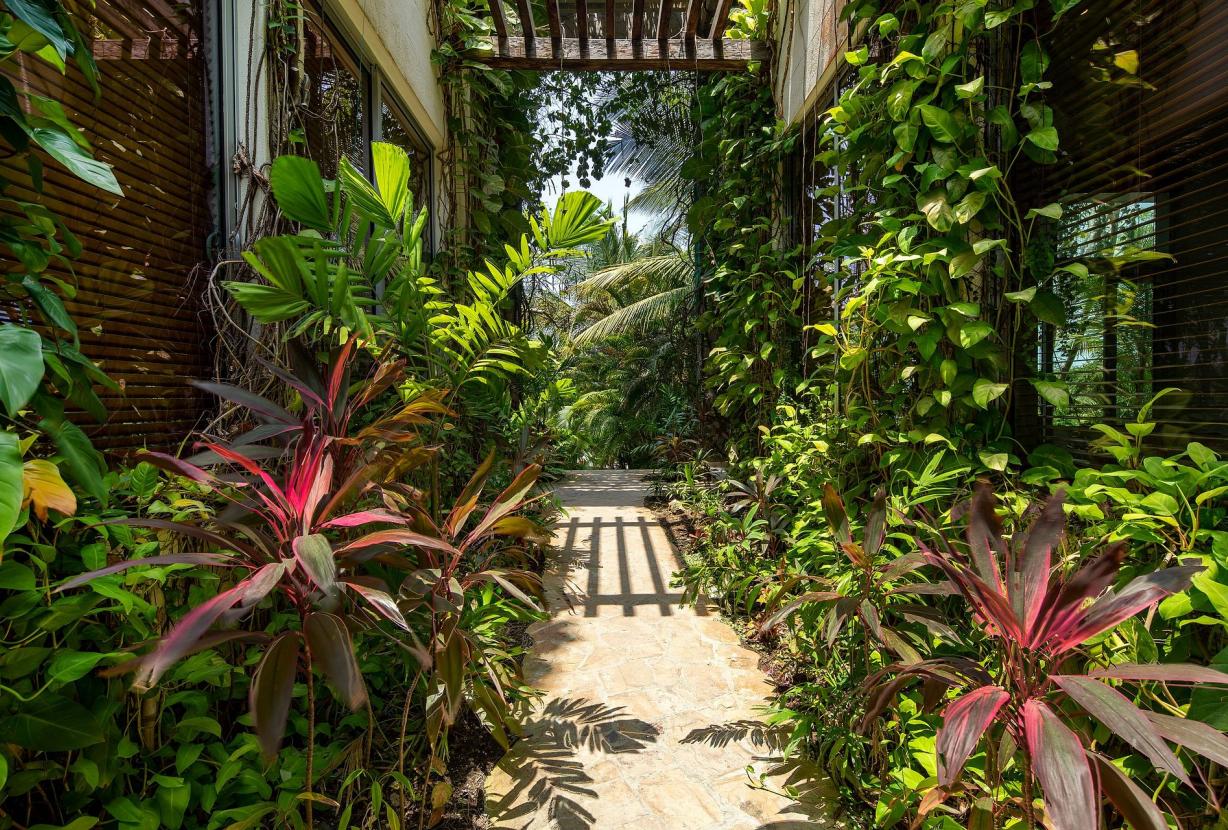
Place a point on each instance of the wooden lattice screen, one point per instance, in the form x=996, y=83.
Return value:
x=138, y=280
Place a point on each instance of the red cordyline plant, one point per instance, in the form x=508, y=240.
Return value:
x=293, y=531
x=1037, y=621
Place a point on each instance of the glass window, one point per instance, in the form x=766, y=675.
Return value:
x=333, y=119
x=396, y=128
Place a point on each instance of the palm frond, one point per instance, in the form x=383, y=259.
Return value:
x=638, y=317
x=658, y=271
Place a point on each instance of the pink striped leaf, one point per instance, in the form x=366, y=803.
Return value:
x=215, y=559
x=964, y=722
x=366, y=517
x=1111, y=609
x=1121, y=717
x=1062, y=768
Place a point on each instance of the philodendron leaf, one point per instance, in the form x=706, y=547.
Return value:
x=1053, y=392
x=21, y=366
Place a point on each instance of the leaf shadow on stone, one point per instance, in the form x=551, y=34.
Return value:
x=813, y=796
x=544, y=769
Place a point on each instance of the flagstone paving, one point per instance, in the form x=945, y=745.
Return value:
x=651, y=712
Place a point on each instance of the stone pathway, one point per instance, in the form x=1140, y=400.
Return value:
x=651, y=711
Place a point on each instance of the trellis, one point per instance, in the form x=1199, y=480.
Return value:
x=614, y=35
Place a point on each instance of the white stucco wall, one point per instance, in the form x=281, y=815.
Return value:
x=397, y=39
x=813, y=41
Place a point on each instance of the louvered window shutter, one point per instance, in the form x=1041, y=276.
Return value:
x=1140, y=101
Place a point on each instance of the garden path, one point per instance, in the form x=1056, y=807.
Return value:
x=651, y=712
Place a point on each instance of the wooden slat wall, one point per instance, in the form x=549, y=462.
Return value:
x=1144, y=165
x=138, y=279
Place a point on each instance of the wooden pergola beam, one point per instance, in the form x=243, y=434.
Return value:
x=556, y=26
x=720, y=19
x=582, y=22
x=663, y=21
x=692, y=18
x=623, y=55
x=496, y=17
x=637, y=21
x=611, y=21
x=526, y=23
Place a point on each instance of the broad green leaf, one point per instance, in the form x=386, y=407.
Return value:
x=1052, y=210
x=971, y=89
x=973, y=332
x=11, y=485
x=1044, y=137
x=1053, y=392
x=298, y=188
x=68, y=666
x=21, y=366
x=937, y=210
x=984, y=391
x=51, y=723
x=81, y=459
x=969, y=206
x=15, y=576
x=1048, y=307
x=942, y=125
x=61, y=147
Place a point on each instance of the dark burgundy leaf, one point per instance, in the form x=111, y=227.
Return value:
x=1123, y=718
x=1028, y=583
x=332, y=649
x=177, y=466
x=1194, y=735
x=964, y=722
x=833, y=506
x=985, y=538
x=1062, y=768
x=1166, y=672
x=1139, y=811
x=272, y=690
x=1063, y=605
x=248, y=400
x=876, y=525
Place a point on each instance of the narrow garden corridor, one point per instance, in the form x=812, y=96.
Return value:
x=650, y=716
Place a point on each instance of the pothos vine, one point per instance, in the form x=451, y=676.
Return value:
x=934, y=272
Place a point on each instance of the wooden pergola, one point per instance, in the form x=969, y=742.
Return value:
x=618, y=35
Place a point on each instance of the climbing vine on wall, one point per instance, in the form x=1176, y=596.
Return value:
x=939, y=274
